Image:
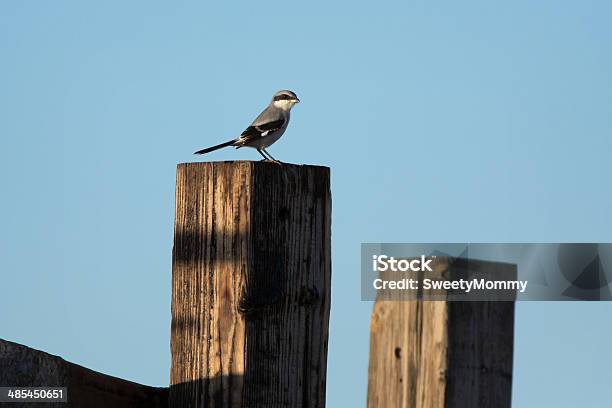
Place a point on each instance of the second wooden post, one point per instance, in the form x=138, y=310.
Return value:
x=439, y=353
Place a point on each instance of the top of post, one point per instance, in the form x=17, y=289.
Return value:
x=252, y=164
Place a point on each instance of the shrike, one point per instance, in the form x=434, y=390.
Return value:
x=266, y=129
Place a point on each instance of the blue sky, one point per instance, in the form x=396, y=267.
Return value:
x=472, y=121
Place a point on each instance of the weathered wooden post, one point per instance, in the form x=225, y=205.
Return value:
x=251, y=275
x=442, y=354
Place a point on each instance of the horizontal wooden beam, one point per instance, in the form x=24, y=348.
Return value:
x=21, y=366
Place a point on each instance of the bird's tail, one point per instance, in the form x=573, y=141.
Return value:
x=217, y=147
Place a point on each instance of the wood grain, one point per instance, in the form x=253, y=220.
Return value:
x=441, y=354
x=251, y=280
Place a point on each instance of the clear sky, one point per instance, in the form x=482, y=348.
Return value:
x=471, y=121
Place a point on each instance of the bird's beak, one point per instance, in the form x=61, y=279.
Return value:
x=297, y=100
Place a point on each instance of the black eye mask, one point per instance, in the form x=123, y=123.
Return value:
x=283, y=97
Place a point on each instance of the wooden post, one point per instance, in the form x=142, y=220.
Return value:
x=251, y=275
x=442, y=354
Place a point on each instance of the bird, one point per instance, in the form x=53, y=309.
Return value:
x=266, y=129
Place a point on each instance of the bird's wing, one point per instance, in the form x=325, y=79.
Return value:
x=256, y=131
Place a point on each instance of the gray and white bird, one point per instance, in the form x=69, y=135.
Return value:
x=266, y=129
